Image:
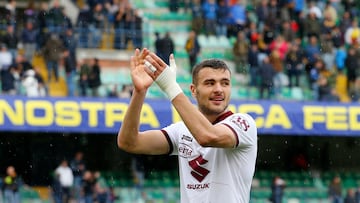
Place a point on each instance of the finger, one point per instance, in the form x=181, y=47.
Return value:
x=153, y=63
x=144, y=52
x=132, y=63
x=151, y=73
x=150, y=66
x=172, y=62
x=160, y=63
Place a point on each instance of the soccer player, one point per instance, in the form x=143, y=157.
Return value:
x=217, y=148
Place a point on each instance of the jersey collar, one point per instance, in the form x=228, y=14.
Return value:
x=223, y=116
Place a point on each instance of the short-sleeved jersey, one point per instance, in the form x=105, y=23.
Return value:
x=216, y=175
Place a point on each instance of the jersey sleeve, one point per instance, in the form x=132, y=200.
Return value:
x=171, y=133
x=244, y=128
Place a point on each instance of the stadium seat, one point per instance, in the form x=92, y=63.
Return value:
x=224, y=42
x=203, y=41
x=297, y=93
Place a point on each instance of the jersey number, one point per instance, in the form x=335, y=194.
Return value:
x=199, y=172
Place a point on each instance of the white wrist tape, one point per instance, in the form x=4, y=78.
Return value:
x=167, y=83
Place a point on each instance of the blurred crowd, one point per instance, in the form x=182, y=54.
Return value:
x=279, y=42
x=46, y=29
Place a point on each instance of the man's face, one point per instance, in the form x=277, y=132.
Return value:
x=212, y=91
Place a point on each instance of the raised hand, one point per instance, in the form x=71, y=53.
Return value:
x=141, y=80
x=164, y=75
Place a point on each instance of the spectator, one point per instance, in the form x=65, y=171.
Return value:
x=335, y=190
x=6, y=58
x=262, y=13
x=298, y=7
x=280, y=79
x=29, y=40
x=287, y=32
x=133, y=28
x=41, y=82
x=126, y=91
x=10, y=12
x=330, y=17
x=325, y=91
x=94, y=80
x=101, y=188
x=197, y=20
x=136, y=33
x=345, y=21
x=84, y=77
x=277, y=190
x=294, y=65
x=52, y=52
x=138, y=172
x=352, y=34
x=88, y=187
x=70, y=64
x=252, y=33
x=274, y=17
x=12, y=185
x=312, y=54
x=42, y=23
x=312, y=26
x=119, y=27
x=314, y=9
x=113, y=196
x=192, y=48
x=70, y=41
x=158, y=43
x=78, y=168
x=30, y=12
x=279, y=45
x=350, y=196
x=222, y=14
x=352, y=66
x=240, y=51
x=355, y=97
x=98, y=25
x=83, y=23
x=237, y=19
x=11, y=40
x=66, y=179
x=327, y=51
x=253, y=56
x=266, y=73
x=8, y=79
x=167, y=47
x=56, y=17
x=209, y=8
x=340, y=58
x=30, y=83
x=56, y=190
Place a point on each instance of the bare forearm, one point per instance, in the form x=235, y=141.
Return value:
x=199, y=126
x=130, y=126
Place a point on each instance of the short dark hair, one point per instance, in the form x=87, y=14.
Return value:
x=208, y=63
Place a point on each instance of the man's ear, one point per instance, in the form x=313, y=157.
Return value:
x=193, y=90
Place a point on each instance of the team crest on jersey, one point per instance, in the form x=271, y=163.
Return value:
x=240, y=122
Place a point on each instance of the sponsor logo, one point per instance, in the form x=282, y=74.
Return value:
x=187, y=138
x=198, y=186
x=185, y=150
x=199, y=172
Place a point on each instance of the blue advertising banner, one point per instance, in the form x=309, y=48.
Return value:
x=103, y=116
